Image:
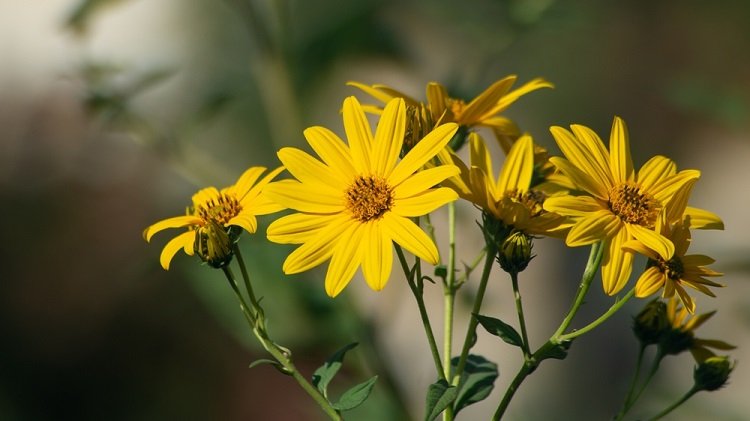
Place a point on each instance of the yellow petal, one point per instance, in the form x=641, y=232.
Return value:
x=479, y=156
x=437, y=98
x=697, y=260
x=585, y=150
x=346, y=259
x=359, y=134
x=518, y=167
x=409, y=236
x=675, y=208
x=619, y=147
x=664, y=189
x=484, y=104
x=594, y=227
x=389, y=137
x=313, y=173
x=332, y=150
x=300, y=197
x=246, y=181
x=318, y=249
x=513, y=95
x=424, y=180
x=652, y=240
x=245, y=220
x=702, y=219
x=182, y=241
x=175, y=222
x=425, y=150
x=380, y=96
x=650, y=281
x=572, y=205
x=635, y=246
x=656, y=169
x=581, y=179
x=377, y=256
x=424, y=203
x=687, y=301
x=298, y=228
x=617, y=264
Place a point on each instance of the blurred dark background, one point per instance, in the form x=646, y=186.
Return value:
x=113, y=113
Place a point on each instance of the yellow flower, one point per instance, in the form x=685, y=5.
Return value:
x=682, y=336
x=355, y=203
x=212, y=219
x=510, y=198
x=620, y=204
x=482, y=111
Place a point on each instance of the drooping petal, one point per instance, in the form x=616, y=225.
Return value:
x=594, y=227
x=313, y=173
x=174, y=222
x=424, y=203
x=687, y=301
x=182, y=241
x=375, y=93
x=617, y=264
x=650, y=281
x=245, y=220
x=518, y=167
x=636, y=246
x=377, y=256
x=347, y=257
x=300, y=197
x=619, y=148
x=513, y=95
x=424, y=180
x=298, y=228
x=359, y=134
x=702, y=219
x=409, y=236
x=332, y=150
x=484, y=104
x=581, y=179
x=425, y=150
x=697, y=260
x=652, y=240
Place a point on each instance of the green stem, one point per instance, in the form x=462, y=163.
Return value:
x=612, y=310
x=525, y=370
x=417, y=291
x=281, y=354
x=473, y=322
x=654, y=368
x=595, y=260
x=679, y=402
x=626, y=403
x=449, y=291
x=246, y=278
x=521, y=319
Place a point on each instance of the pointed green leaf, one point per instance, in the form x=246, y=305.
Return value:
x=497, y=327
x=439, y=396
x=477, y=380
x=353, y=397
x=277, y=365
x=558, y=352
x=325, y=373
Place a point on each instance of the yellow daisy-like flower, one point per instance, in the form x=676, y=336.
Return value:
x=482, y=111
x=214, y=217
x=510, y=198
x=683, y=336
x=620, y=204
x=355, y=203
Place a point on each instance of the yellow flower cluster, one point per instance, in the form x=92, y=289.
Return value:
x=358, y=197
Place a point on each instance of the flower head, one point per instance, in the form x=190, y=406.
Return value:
x=619, y=203
x=482, y=111
x=509, y=198
x=216, y=218
x=681, y=337
x=355, y=203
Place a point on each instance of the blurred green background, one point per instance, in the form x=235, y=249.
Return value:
x=113, y=113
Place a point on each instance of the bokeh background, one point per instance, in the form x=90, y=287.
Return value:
x=112, y=113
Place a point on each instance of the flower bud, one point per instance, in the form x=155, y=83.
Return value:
x=712, y=373
x=213, y=244
x=651, y=322
x=515, y=252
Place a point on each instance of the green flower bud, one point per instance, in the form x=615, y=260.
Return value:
x=651, y=322
x=213, y=244
x=515, y=252
x=712, y=373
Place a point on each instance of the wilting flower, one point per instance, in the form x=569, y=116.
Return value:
x=682, y=335
x=620, y=204
x=509, y=199
x=216, y=218
x=482, y=111
x=355, y=203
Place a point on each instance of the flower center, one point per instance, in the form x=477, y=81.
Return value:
x=533, y=200
x=672, y=268
x=221, y=210
x=633, y=205
x=368, y=198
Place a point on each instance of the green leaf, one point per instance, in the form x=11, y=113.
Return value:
x=277, y=365
x=353, y=397
x=325, y=373
x=497, y=327
x=477, y=380
x=439, y=396
x=441, y=271
x=558, y=352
